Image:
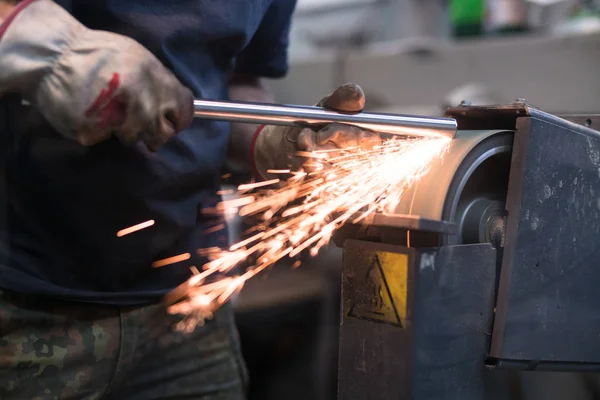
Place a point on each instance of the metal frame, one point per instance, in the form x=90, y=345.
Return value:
x=474, y=313
x=547, y=304
x=438, y=350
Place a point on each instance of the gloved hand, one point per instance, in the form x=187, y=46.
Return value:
x=275, y=146
x=89, y=84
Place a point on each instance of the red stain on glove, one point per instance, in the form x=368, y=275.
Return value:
x=108, y=108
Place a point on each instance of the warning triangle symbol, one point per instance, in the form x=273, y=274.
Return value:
x=380, y=300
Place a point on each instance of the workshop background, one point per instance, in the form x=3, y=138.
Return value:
x=413, y=57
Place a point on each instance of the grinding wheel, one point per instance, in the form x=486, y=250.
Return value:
x=468, y=186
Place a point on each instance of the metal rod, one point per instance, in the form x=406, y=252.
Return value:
x=276, y=114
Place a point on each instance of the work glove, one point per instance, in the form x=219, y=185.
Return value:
x=276, y=147
x=89, y=84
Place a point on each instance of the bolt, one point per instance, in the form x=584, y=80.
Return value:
x=521, y=100
x=465, y=103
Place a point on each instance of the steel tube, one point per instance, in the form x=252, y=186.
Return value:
x=275, y=114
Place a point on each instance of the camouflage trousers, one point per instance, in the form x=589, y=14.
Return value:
x=53, y=349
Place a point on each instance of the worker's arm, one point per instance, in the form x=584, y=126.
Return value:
x=88, y=84
x=265, y=56
x=275, y=147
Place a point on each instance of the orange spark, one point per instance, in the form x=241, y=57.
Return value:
x=250, y=186
x=245, y=242
x=278, y=171
x=311, y=154
x=215, y=228
x=336, y=150
x=303, y=214
x=171, y=260
x=234, y=203
x=135, y=228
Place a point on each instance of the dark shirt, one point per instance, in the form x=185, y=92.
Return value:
x=62, y=204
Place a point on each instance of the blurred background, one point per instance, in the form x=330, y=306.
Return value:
x=412, y=57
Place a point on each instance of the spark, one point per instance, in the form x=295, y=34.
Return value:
x=135, y=228
x=278, y=171
x=245, y=242
x=171, y=260
x=215, y=228
x=302, y=214
x=311, y=154
x=335, y=150
x=250, y=186
x=229, y=204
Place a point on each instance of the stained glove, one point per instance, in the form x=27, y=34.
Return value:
x=89, y=84
x=275, y=147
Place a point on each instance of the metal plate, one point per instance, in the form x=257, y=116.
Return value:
x=415, y=322
x=403, y=221
x=548, y=294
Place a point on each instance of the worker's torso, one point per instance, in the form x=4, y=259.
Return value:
x=65, y=203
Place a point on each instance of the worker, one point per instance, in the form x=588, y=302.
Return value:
x=97, y=132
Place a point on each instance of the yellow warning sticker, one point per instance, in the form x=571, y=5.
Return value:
x=395, y=274
x=385, y=290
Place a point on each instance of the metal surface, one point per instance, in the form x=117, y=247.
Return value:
x=402, y=221
x=548, y=294
x=478, y=189
x=455, y=202
x=275, y=114
x=458, y=178
x=479, y=217
x=587, y=120
x=410, y=325
x=416, y=322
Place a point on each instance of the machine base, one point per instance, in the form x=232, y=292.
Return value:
x=396, y=345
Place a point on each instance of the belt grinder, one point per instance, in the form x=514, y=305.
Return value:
x=490, y=263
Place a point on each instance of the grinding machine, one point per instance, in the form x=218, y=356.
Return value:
x=487, y=265
x=490, y=263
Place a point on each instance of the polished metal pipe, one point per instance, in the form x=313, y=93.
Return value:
x=276, y=114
